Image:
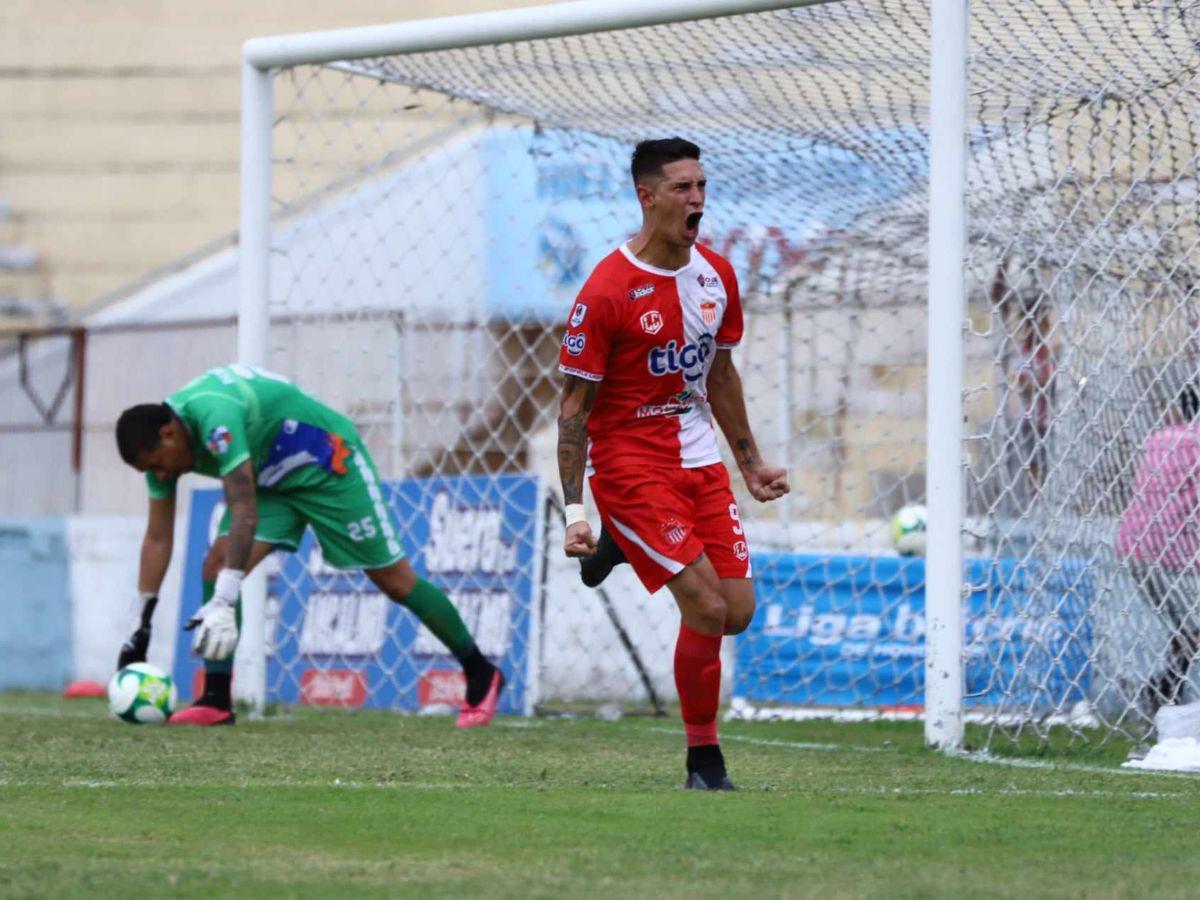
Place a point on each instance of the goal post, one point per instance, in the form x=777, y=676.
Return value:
x=947, y=302
x=965, y=235
x=253, y=347
x=261, y=57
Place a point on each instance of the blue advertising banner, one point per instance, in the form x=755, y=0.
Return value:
x=850, y=631
x=333, y=639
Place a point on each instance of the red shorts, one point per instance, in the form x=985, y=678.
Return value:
x=664, y=519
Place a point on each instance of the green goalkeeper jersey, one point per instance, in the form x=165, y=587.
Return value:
x=236, y=413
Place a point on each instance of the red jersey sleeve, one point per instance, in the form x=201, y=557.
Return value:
x=586, y=344
x=730, y=333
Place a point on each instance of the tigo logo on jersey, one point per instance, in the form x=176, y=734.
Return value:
x=688, y=359
x=577, y=314
x=652, y=322
x=673, y=531
x=708, y=312
x=639, y=292
x=574, y=343
x=219, y=440
x=707, y=281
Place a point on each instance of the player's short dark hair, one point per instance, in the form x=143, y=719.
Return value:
x=649, y=157
x=1189, y=402
x=138, y=427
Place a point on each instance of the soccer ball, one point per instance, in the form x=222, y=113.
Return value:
x=908, y=530
x=142, y=694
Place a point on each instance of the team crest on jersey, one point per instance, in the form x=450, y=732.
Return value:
x=219, y=440
x=638, y=293
x=741, y=551
x=708, y=312
x=707, y=281
x=577, y=314
x=673, y=531
x=652, y=322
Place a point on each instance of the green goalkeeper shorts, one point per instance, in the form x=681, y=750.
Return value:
x=348, y=515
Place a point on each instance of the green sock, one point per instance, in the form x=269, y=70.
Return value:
x=438, y=614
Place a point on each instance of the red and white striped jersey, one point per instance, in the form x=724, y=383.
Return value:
x=649, y=336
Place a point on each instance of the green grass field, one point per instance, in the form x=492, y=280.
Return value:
x=320, y=804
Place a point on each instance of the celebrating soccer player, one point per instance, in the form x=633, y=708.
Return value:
x=287, y=462
x=648, y=366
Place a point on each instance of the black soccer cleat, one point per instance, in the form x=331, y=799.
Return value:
x=717, y=781
x=595, y=568
x=706, y=769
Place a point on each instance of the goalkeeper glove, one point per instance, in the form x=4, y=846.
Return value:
x=134, y=649
x=215, y=623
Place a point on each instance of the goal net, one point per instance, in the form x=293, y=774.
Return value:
x=435, y=212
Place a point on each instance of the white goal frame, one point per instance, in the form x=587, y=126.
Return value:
x=947, y=284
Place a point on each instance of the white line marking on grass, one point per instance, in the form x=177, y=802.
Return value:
x=819, y=790
x=1065, y=793
x=977, y=756
x=773, y=742
x=980, y=756
x=52, y=713
x=261, y=784
x=142, y=784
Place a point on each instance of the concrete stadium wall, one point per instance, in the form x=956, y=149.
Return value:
x=103, y=567
x=70, y=599
x=35, y=630
x=120, y=147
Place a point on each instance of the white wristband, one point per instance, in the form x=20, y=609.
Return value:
x=575, y=513
x=229, y=585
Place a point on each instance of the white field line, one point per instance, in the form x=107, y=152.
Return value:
x=834, y=790
x=1012, y=792
x=143, y=784
x=85, y=783
x=42, y=712
x=790, y=745
x=278, y=784
x=982, y=757
x=978, y=757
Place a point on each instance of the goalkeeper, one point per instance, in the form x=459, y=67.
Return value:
x=286, y=462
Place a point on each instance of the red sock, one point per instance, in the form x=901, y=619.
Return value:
x=698, y=680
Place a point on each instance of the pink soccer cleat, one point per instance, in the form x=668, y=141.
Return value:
x=475, y=716
x=202, y=715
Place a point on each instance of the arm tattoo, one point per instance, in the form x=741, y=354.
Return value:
x=729, y=409
x=745, y=453
x=243, y=513
x=578, y=397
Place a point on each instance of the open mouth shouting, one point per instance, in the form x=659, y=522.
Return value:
x=691, y=225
